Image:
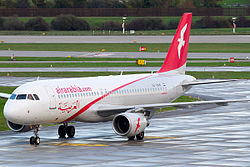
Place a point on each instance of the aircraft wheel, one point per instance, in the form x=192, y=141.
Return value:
x=37, y=140
x=70, y=131
x=62, y=131
x=32, y=140
x=140, y=136
x=131, y=138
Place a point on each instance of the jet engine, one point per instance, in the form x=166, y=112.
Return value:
x=129, y=124
x=18, y=128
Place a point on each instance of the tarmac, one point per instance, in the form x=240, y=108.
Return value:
x=216, y=136
x=118, y=69
x=5, y=53
x=123, y=39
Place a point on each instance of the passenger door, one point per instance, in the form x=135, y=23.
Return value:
x=52, y=98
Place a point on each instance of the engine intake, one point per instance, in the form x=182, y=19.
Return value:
x=18, y=128
x=129, y=124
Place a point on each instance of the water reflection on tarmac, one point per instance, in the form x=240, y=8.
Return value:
x=206, y=137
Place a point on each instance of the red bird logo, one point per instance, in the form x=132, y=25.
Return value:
x=138, y=125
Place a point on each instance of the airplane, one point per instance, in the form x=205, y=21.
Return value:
x=129, y=101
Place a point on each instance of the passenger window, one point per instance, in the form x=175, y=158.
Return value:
x=21, y=96
x=30, y=97
x=36, y=97
x=13, y=96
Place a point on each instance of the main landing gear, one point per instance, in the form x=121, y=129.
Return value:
x=35, y=139
x=65, y=129
x=140, y=136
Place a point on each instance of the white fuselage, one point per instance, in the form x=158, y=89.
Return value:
x=80, y=99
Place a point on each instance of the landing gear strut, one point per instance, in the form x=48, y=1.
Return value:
x=65, y=129
x=140, y=136
x=35, y=139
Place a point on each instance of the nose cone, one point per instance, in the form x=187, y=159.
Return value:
x=14, y=112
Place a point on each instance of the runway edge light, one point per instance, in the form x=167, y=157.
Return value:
x=142, y=49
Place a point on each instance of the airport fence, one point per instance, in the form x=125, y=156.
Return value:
x=112, y=12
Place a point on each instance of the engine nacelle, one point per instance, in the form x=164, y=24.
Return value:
x=18, y=128
x=129, y=124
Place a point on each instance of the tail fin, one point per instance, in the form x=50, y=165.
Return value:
x=177, y=54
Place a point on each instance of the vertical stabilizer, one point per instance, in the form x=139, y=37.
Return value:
x=177, y=53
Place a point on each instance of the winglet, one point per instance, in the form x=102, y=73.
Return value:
x=177, y=54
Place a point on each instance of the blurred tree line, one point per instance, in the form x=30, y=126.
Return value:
x=109, y=3
x=73, y=23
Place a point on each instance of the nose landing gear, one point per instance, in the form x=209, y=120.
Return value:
x=65, y=129
x=35, y=140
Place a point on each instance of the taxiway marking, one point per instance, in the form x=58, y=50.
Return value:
x=80, y=144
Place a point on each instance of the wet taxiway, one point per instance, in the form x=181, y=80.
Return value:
x=4, y=53
x=123, y=39
x=204, y=137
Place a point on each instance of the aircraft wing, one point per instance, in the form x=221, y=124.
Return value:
x=5, y=95
x=117, y=109
x=208, y=82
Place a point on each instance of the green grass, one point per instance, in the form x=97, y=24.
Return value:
x=203, y=31
x=97, y=21
x=220, y=75
x=180, y=99
x=126, y=47
x=229, y=3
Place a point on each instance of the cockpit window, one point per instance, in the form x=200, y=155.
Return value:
x=21, y=96
x=13, y=96
x=30, y=97
x=36, y=97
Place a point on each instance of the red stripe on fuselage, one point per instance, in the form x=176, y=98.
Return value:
x=100, y=98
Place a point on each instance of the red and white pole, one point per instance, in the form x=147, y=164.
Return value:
x=234, y=24
x=123, y=24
